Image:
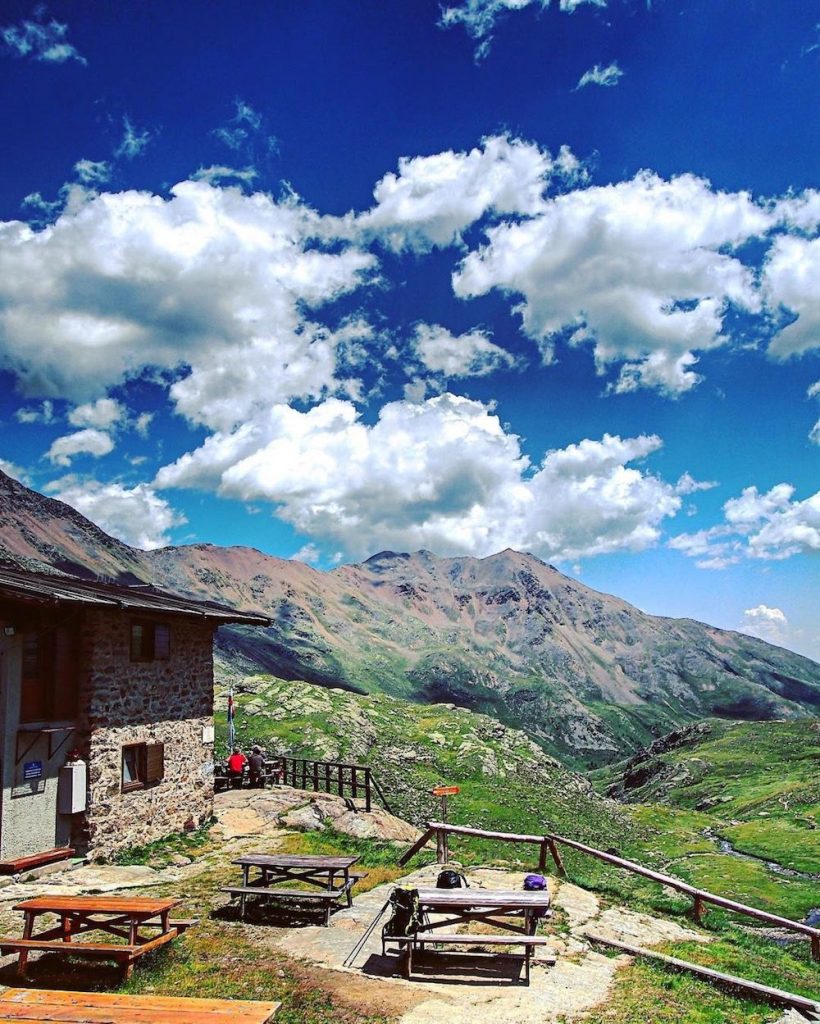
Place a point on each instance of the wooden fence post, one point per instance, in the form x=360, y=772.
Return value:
x=542, y=856
x=556, y=856
x=441, y=846
x=367, y=790
x=699, y=910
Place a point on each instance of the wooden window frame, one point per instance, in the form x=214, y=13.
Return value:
x=149, y=764
x=155, y=644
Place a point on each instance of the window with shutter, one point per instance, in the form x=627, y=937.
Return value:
x=150, y=641
x=49, y=675
x=154, y=762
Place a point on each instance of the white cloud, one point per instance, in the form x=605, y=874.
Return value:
x=814, y=433
x=41, y=40
x=92, y=172
x=42, y=414
x=641, y=269
x=766, y=623
x=687, y=484
x=791, y=278
x=479, y=16
x=217, y=173
x=433, y=199
x=441, y=474
x=813, y=390
x=137, y=515
x=599, y=75
x=209, y=279
x=770, y=526
x=801, y=211
x=133, y=140
x=143, y=423
x=464, y=355
x=245, y=133
x=13, y=470
x=308, y=553
x=103, y=414
x=82, y=442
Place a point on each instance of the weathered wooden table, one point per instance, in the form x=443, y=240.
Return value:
x=263, y=873
x=501, y=908
x=123, y=918
x=20, y=1005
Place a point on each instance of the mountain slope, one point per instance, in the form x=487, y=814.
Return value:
x=587, y=675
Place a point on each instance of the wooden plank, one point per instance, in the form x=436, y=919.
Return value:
x=510, y=939
x=98, y=904
x=293, y=860
x=484, y=898
x=482, y=833
x=232, y=1009
x=776, y=995
x=123, y=1015
x=95, y=949
x=304, y=894
x=416, y=847
x=35, y=860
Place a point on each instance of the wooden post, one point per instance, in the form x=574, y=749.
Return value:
x=341, y=780
x=304, y=774
x=542, y=856
x=699, y=910
x=441, y=846
x=556, y=856
x=367, y=790
x=327, y=776
x=315, y=776
x=353, y=782
x=815, y=947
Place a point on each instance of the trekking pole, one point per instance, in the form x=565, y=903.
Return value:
x=351, y=956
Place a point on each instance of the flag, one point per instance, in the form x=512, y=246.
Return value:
x=231, y=716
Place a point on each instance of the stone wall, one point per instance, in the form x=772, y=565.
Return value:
x=133, y=702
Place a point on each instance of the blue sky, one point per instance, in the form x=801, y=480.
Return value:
x=330, y=277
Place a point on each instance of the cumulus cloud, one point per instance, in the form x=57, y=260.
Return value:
x=41, y=40
x=308, y=553
x=465, y=355
x=642, y=270
x=432, y=200
x=479, y=16
x=210, y=284
x=137, y=515
x=599, y=75
x=791, y=280
x=770, y=526
x=766, y=623
x=103, y=414
x=442, y=474
x=82, y=442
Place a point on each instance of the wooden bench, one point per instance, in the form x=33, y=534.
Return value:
x=327, y=896
x=19, y=1005
x=433, y=938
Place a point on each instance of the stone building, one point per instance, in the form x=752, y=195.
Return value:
x=106, y=715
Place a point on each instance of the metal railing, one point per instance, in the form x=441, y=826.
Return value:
x=355, y=781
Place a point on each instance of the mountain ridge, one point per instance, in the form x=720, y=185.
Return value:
x=587, y=675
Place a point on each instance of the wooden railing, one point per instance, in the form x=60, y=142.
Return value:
x=346, y=780
x=548, y=844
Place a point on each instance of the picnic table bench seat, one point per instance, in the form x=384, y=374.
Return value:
x=433, y=938
x=29, y=1005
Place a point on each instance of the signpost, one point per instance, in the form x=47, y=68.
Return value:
x=443, y=852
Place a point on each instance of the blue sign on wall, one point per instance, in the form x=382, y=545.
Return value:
x=33, y=770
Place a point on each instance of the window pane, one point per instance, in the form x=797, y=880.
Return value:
x=162, y=642
x=130, y=770
x=137, y=641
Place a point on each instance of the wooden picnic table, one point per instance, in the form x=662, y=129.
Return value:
x=21, y=1005
x=514, y=913
x=124, y=918
x=263, y=874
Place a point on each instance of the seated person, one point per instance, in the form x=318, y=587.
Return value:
x=256, y=766
x=236, y=767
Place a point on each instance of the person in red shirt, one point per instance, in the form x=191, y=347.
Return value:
x=236, y=767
